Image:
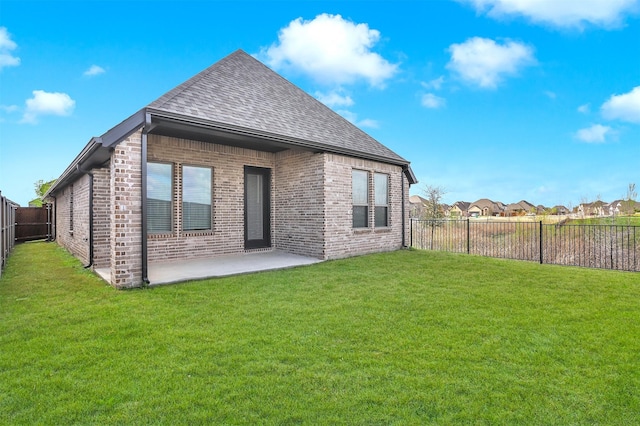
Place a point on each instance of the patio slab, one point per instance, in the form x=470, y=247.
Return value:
x=219, y=266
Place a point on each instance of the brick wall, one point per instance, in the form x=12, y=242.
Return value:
x=227, y=235
x=125, y=174
x=341, y=239
x=75, y=240
x=101, y=217
x=311, y=203
x=299, y=203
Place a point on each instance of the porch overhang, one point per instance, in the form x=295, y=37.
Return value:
x=98, y=151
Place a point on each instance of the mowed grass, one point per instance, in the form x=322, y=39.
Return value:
x=408, y=337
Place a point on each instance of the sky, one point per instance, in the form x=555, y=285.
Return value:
x=501, y=99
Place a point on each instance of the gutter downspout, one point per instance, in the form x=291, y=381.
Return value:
x=143, y=191
x=54, y=214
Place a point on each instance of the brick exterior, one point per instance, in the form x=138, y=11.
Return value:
x=341, y=239
x=311, y=206
x=299, y=203
x=227, y=235
x=126, y=213
x=75, y=240
x=101, y=217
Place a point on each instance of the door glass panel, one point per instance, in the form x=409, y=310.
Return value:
x=255, y=207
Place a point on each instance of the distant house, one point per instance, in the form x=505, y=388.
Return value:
x=417, y=206
x=459, y=209
x=621, y=207
x=560, y=210
x=596, y=208
x=520, y=208
x=486, y=207
x=234, y=160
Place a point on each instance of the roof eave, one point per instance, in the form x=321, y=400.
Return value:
x=287, y=140
x=97, y=151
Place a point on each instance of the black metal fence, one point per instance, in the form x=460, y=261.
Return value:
x=592, y=246
x=7, y=228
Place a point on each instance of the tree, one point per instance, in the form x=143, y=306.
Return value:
x=433, y=208
x=630, y=200
x=433, y=194
x=41, y=187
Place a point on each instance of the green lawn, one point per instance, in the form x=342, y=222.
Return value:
x=618, y=220
x=408, y=337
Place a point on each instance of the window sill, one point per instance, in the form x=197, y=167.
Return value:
x=163, y=235
x=382, y=229
x=202, y=233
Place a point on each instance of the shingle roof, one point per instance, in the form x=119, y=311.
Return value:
x=241, y=91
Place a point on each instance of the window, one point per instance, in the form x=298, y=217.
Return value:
x=159, y=196
x=381, y=211
x=71, y=208
x=360, y=183
x=196, y=198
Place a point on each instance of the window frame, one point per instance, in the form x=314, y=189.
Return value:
x=182, y=199
x=71, y=208
x=376, y=204
x=357, y=205
x=171, y=199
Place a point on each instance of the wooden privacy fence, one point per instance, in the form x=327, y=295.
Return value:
x=593, y=246
x=33, y=223
x=7, y=228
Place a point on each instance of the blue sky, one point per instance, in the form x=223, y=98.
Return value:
x=503, y=99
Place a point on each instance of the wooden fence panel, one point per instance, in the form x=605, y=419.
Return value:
x=33, y=223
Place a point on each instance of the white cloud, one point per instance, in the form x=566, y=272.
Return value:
x=6, y=46
x=353, y=118
x=560, y=13
x=625, y=107
x=368, y=122
x=331, y=50
x=584, y=109
x=334, y=98
x=483, y=62
x=434, y=84
x=45, y=103
x=94, y=70
x=594, y=134
x=550, y=94
x=432, y=101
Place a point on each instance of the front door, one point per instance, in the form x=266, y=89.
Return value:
x=257, y=207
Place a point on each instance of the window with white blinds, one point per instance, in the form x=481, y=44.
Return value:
x=196, y=198
x=381, y=211
x=159, y=196
x=360, y=190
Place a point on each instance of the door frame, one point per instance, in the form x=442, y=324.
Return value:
x=265, y=242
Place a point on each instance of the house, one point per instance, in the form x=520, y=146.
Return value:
x=596, y=208
x=622, y=207
x=234, y=160
x=520, y=208
x=486, y=207
x=417, y=206
x=560, y=210
x=459, y=209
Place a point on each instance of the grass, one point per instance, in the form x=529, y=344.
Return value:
x=408, y=337
x=618, y=220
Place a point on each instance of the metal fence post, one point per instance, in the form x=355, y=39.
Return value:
x=411, y=233
x=468, y=237
x=541, y=258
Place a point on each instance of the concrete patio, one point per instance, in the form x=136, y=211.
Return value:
x=220, y=266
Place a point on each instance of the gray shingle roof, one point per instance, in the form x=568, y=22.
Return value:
x=241, y=91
